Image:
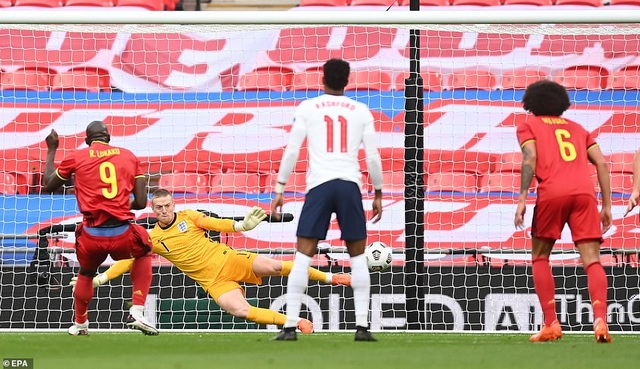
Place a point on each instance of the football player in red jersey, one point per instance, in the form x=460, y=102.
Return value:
x=105, y=178
x=557, y=151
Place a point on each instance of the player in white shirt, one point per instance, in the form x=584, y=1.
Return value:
x=335, y=127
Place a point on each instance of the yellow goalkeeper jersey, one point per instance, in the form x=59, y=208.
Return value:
x=185, y=244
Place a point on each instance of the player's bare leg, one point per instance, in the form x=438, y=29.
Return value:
x=545, y=289
x=597, y=284
x=264, y=267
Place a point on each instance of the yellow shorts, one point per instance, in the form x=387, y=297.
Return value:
x=238, y=268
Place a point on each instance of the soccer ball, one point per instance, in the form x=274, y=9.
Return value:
x=379, y=256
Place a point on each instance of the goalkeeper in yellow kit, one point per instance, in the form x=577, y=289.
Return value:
x=180, y=238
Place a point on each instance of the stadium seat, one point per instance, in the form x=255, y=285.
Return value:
x=624, y=2
x=431, y=81
x=373, y=2
x=297, y=182
x=393, y=182
x=147, y=4
x=232, y=182
x=627, y=78
x=621, y=183
x=503, y=182
x=583, y=77
x=451, y=182
x=323, y=3
x=621, y=162
x=477, y=2
x=521, y=78
x=8, y=184
x=426, y=2
x=595, y=3
x=529, y=2
x=366, y=79
x=479, y=79
x=6, y=3
x=97, y=3
x=82, y=78
x=27, y=78
x=269, y=78
x=180, y=182
x=508, y=162
x=41, y=3
x=310, y=79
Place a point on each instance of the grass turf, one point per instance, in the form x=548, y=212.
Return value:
x=320, y=350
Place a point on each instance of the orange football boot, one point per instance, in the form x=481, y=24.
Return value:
x=550, y=333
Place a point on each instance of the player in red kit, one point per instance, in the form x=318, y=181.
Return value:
x=557, y=151
x=105, y=178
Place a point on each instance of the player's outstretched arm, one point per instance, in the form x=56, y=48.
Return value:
x=51, y=181
x=119, y=268
x=251, y=220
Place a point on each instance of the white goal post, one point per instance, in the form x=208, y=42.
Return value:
x=178, y=97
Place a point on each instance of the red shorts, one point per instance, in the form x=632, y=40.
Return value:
x=92, y=250
x=579, y=211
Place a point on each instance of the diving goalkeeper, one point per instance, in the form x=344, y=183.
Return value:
x=180, y=238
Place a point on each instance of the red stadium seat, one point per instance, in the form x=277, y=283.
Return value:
x=41, y=3
x=365, y=79
x=231, y=182
x=624, y=2
x=529, y=2
x=521, y=78
x=451, y=182
x=431, y=81
x=508, y=162
x=311, y=79
x=595, y=3
x=583, y=77
x=269, y=78
x=297, y=182
x=621, y=162
x=27, y=78
x=477, y=2
x=82, y=78
x=478, y=79
x=627, y=78
x=503, y=182
x=147, y=4
x=8, y=185
x=323, y=3
x=184, y=182
x=426, y=2
x=373, y=2
x=6, y=3
x=96, y=3
x=393, y=182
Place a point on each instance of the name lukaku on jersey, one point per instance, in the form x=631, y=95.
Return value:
x=103, y=153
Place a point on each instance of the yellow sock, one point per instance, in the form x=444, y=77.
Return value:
x=314, y=274
x=265, y=316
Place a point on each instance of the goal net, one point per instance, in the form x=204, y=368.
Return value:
x=206, y=102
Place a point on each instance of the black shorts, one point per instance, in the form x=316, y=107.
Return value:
x=337, y=196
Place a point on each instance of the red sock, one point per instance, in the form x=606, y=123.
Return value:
x=141, y=279
x=82, y=296
x=597, y=281
x=545, y=288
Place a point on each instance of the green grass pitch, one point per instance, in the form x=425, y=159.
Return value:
x=320, y=350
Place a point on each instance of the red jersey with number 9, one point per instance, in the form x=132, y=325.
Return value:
x=562, y=160
x=104, y=180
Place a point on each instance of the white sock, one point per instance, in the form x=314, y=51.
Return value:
x=137, y=311
x=296, y=285
x=361, y=284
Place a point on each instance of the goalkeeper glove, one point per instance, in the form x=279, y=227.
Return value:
x=97, y=280
x=251, y=220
